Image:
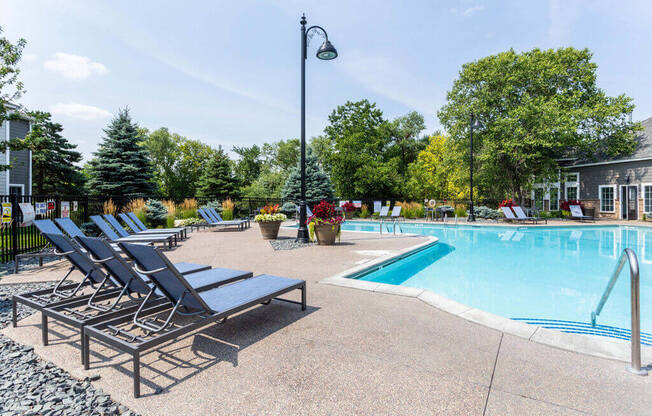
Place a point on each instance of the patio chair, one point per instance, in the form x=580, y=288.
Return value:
x=131, y=218
x=384, y=212
x=215, y=223
x=216, y=215
x=207, y=307
x=509, y=214
x=576, y=214
x=396, y=213
x=122, y=232
x=133, y=288
x=521, y=216
x=112, y=236
x=62, y=293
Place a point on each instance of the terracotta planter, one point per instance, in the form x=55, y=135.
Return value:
x=348, y=214
x=326, y=234
x=269, y=229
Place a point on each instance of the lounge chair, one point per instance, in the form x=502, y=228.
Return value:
x=384, y=212
x=521, y=216
x=576, y=214
x=509, y=214
x=62, y=292
x=396, y=213
x=112, y=236
x=216, y=215
x=122, y=232
x=214, y=305
x=215, y=223
x=133, y=288
x=131, y=218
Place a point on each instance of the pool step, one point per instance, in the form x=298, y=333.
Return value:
x=573, y=327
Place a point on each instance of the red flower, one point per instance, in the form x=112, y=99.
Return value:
x=565, y=205
x=324, y=213
x=507, y=203
x=348, y=207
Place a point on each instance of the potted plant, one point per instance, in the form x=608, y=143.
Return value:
x=324, y=224
x=349, y=209
x=269, y=220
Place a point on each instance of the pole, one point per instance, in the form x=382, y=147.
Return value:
x=471, y=211
x=302, y=233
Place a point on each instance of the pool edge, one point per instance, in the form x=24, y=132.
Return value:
x=596, y=346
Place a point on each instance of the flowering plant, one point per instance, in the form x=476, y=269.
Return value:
x=323, y=213
x=270, y=213
x=565, y=205
x=348, y=207
x=507, y=203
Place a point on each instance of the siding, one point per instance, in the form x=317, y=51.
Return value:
x=19, y=173
x=3, y=159
x=613, y=174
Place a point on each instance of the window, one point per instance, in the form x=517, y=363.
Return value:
x=538, y=199
x=647, y=198
x=554, y=199
x=571, y=193
x=572, y=186
x=572, y=177
x=16, y=190
x=607, y=197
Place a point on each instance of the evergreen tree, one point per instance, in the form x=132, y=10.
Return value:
x=121, y=166
x=53, y=157
x=155, y=212
x=217, y=179
x=318, y=184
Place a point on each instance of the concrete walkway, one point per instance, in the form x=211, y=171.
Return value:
x=352, y=352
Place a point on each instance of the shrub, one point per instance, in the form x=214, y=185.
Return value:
x=364, y=211
x=186, y=222
x=156, y=214
x=348, y=207
x=135, y=205
x=288, y=208
x=189, y=208
x=227, y=209
x=411, y=209
x=270, y=213
x=213, y=204
x=109, y=207
x=507, y=203
x=171, y=207
x=90, y=229
x=565, y=205
x=460, y=211
x=486, y=212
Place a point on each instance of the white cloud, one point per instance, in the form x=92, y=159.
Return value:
x=468, y=11
x=79, y=111
x=74, y=67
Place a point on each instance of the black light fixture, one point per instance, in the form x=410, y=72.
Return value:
x=326, y=52
x=473, y=124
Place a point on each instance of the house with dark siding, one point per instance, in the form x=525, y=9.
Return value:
x=619, y=188
x=18, y=179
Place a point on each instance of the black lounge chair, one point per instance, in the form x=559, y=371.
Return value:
x=137, y=226
x=113, y=236
x=133, y=288
x=214, y=305
x=61, y=293
x=215, y=223
x=217, y=217
x=122, y=232
x=70, y=228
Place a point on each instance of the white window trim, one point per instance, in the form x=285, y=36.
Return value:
x=643, y=185
x=615, y=189
x=22, y=187
x=571, y=185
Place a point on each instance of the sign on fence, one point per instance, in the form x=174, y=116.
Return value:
x=41, y=208
x=28, y=213
x=74, y=205
x=6, y=212
x=65, y=209
x=357, y=204
x=51, y=206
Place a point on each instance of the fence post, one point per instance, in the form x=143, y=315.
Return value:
x=14, y=225
x=85, y=209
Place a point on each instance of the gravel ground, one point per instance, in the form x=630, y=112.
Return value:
x=288, y=244
x=25, y=264
x=32, y=386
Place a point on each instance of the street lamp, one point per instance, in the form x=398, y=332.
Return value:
x=474, y=124
x=326, y=52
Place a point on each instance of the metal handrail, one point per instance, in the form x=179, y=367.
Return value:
x=629, y=256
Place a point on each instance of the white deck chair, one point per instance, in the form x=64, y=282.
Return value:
x=384, y=212
x=377, y=206
x=576, y=214
x=509, y=215
x=521, y=215
x=396, y=212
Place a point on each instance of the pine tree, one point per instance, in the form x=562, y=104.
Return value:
x=121, y=166
x=318, y=184
x=53, y=157
x=217, y=179
x=155, y=212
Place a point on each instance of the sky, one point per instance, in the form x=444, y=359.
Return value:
x=228, y=72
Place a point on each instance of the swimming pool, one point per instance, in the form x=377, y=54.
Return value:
x=548, y=276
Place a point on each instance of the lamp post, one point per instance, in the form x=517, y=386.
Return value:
x=473, y=123
x=326, y=52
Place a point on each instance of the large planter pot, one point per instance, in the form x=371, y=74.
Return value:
x=326, y=234
x=348, y=214
x=269, y=229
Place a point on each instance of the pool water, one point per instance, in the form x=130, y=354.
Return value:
x=549, y=276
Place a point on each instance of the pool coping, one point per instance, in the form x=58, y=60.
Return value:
x=593, y=345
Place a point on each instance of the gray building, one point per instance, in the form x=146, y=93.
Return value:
x=18, y=179
x=614, y=188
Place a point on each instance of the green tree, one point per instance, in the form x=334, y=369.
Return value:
x=282, y=155
x=163, y=148
x=323, y=147
x=217, y=180
x=536, y=107
x=359, y=167
x=53, y=157
x=193, y=158
x=318, y=184
x=10, y=86
x=250, y=164
x=406, y=144
x=121, y=166
x=268, y=185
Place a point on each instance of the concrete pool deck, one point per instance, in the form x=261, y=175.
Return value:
x=351, y=352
